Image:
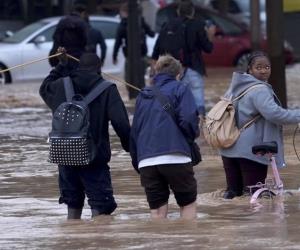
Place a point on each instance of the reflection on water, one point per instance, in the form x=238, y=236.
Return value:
x=31, y=218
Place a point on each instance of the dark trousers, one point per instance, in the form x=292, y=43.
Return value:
x=93, y=181
x=241, y=173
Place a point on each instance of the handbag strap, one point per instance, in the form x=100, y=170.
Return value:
x=168, y=107
x=165, y=103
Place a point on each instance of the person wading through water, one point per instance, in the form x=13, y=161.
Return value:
x=92, y=180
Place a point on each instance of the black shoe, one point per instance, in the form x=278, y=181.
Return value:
x=229, y=194
x=74, y=213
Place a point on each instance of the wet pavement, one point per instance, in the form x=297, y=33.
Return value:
x=31, y=218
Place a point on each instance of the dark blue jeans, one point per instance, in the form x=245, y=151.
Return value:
x=94, y=181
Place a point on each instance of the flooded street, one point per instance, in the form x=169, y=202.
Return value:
x=31, y=218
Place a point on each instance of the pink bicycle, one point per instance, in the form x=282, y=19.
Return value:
x=272, y=186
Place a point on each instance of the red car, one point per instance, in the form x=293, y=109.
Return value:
x=232, y=43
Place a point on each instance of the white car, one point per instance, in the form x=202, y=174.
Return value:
x=35, y=41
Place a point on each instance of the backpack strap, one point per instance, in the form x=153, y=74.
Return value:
x=98, y=90
x=69, y=89
x=255, y=118
x=246, y=91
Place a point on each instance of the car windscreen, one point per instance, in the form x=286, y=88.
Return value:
x=23, y=33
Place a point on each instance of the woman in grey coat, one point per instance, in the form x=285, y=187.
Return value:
x=242, y=168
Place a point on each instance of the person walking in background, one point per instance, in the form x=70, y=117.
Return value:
x=158, y=146
x=95, y=37
x=242, y=168
x=70, y=33
x=121, y=39
x=92, y=180
x=185, y=37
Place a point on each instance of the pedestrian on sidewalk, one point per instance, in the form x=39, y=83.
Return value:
x=158, y=145
x=185, y=37
x=92, y=180
x=242, y=168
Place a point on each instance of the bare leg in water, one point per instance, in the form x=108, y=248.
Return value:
x=160, y=213
x=188, y=212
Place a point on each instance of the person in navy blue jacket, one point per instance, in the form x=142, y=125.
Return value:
x=158, y=145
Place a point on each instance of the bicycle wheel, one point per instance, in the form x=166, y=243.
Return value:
x=266, y=194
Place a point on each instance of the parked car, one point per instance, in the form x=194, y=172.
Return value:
x=232, y=43
x=238, y=10
x=35, y=41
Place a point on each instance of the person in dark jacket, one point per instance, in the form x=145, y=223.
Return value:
x=121, y=40
x=94, y=180
x=70, y=33
x=199, y=38
x=158, y=146
x=95, y=37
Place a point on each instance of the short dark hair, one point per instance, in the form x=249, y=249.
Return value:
x=186, y=8
x=90, y=61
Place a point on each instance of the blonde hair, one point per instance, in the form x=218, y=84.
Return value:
x=168, y=65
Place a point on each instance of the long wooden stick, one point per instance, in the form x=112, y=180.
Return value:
x=109, y=76
x=30, y=62
x=74, y=58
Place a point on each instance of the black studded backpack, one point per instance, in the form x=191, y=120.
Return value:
x=71, y=142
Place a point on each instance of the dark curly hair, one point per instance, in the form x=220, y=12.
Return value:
x=252, y=56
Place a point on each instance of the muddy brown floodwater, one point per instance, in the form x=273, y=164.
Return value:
x=31, y=218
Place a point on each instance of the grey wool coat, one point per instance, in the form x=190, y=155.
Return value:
x=267, y=128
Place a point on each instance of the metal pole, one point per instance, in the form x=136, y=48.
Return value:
x=134, y=61
x=255, y=24
x=275, y=33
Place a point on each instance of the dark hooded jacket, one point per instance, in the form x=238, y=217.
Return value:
x=154, y=131
x=196, y=41
x=70, y=33
x=121, y=38
x=95, y=37
x=106, y=107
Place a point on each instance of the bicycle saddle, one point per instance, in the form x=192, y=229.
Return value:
x=265, y=148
